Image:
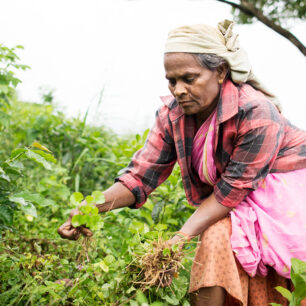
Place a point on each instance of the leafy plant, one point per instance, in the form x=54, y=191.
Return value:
x=12, y=195
x=298, y=278
x=89, y=213
x=9, y=64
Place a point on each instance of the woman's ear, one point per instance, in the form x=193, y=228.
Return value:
x=223, y=71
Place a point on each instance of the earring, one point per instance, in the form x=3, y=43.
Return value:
x=220, y=82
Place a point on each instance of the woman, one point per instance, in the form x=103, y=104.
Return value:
x=235, y=150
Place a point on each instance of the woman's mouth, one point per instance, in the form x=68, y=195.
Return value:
x=185, y=103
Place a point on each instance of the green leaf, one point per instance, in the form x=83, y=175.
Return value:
x=89, y=199
x=157, y=209
x=166, y=252
x=109, y=259
x=26, y=206
x=298, y=277
x=103, y=266
x=157, y=303
x=77, y=220
x=38, y=159
x=14, y=167
x=151, y=235
x=18, y=200
x=131, y=289
x=140, y=297
x=47, y=156
x=39, y=146
x=4, y=176
x=275, y=304
x=297, y=265
x=98, y=197
x=136, y=227
x=6, y=214
x=76, y=198
x=30, y=197
x=299, y=281
x=17, y=152
x=161, y=227
x=29, y=209
x=175, y=247
x=171, y=300
x=284, y=292
x=95, y=222
x=86, y=209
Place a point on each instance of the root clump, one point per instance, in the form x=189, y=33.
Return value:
x=159, y=265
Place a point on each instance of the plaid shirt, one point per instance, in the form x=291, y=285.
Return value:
x=252, y=139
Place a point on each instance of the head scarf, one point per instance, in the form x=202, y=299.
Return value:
x=221, y=41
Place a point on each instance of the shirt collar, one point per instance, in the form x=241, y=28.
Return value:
x=228, y=104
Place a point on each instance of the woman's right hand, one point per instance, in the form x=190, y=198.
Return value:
x=67, y=231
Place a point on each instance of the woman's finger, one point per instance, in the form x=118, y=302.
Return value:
x=85, y=231
x=67, y=231
x=76, y=234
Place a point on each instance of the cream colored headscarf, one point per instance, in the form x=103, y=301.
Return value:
x=221, y=41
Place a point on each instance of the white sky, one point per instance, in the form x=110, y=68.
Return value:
x=79, y=47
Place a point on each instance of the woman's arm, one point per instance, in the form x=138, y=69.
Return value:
x=209, y=212
x=117, y=196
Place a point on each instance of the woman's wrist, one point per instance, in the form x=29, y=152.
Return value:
x=183, y=235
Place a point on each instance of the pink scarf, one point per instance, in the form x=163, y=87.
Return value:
x=202, y=150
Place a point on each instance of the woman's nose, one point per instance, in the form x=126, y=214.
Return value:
x=179, y=89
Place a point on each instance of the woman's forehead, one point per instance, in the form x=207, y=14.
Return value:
x=181, y=63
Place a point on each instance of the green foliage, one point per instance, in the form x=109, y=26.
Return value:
x=54, y=271
x=37, y=266
x=298, y=278
x=9, y=63
x=279, y=11
x=13, y=195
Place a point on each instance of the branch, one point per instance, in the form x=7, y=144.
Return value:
x=238, y=6
x=251, y=10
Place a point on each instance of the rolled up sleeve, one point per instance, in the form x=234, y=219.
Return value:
x=151, y=165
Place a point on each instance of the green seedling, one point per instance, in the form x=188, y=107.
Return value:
x=89, y=213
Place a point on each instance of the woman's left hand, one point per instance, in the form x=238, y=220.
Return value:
x=175, y=240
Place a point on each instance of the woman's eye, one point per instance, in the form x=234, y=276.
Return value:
x=172, y=82
x=189, y=80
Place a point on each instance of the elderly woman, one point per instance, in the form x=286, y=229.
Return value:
x=242, y=164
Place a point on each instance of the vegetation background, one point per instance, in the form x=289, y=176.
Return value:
x=45, y=156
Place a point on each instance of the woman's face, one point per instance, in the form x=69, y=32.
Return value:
x=195, y=88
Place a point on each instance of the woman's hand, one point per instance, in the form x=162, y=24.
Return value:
x=117, y=196
x=67, y=231
x=175, y=240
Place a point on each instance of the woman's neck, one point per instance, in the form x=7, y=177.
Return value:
x=200, y=118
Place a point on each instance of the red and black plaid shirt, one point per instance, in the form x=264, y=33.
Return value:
x=252, y=139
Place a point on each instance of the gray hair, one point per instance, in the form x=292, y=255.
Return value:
x=211, y=61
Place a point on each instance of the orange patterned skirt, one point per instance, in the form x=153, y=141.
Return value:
x=215, y=265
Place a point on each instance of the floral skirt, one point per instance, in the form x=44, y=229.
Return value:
x=215, y=265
